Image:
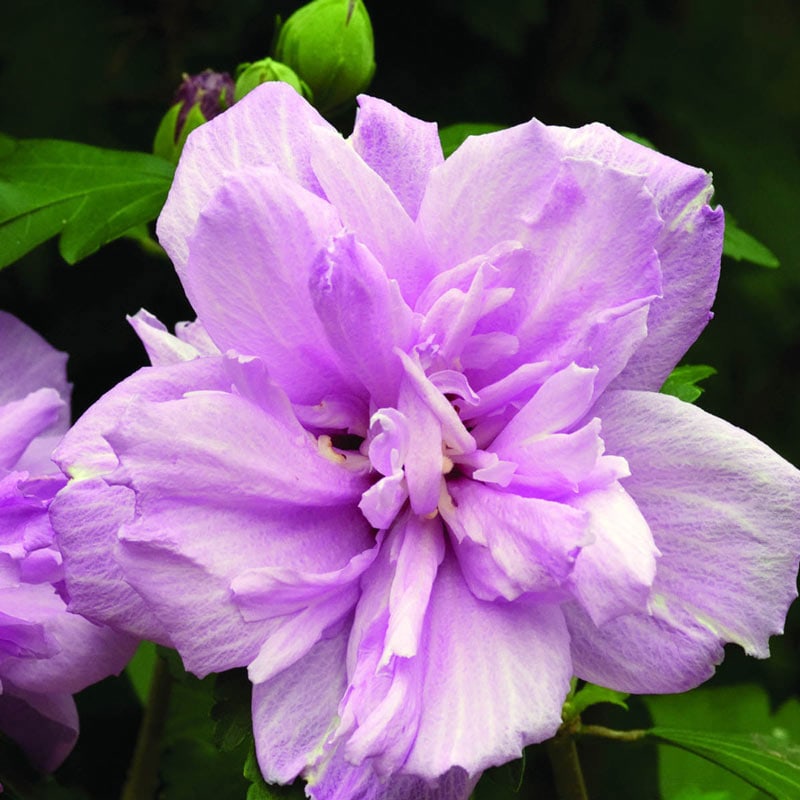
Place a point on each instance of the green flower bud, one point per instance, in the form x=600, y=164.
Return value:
x=329, y=44
x=250, y=75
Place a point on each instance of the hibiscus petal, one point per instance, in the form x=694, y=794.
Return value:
x=21, y=421
x=270, y=126
x=354, y=301
x=592, y=262
x=511, y=170
x=28, y=362
x=368, y=207
x=689, y=248
x=341, y=781
x=263, y=269
x=613, y=573
x=308, y=695
x=215, y=462
x=508, y=545
x=400, y=148
x=497, y=673
x=722, y=508
x=162, y=347
x=85, y=652
x=87, y=516
x=44, y=725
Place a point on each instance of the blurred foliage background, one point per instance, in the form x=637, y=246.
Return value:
x=714, y=83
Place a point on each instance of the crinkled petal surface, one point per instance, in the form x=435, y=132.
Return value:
x=689, y=248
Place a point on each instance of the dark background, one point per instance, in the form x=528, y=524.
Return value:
x=715, y=83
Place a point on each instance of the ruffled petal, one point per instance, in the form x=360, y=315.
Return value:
x=509, y=545
x=615, y=571
x=497, y=672
x=363, y=315
x=368, y=207
x=162, y=347
x=591, y=263
x=271, y=126
x=722, y=508
x=87, y=516
x=689, y=247
x=262, y=270
x=211, y=462
x=487, y=191
x=400, y=148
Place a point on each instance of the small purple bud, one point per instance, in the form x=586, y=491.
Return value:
x=212, y=91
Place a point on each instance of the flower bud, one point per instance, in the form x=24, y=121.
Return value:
x=250, y=75
x=198, y=99
x=329, y=44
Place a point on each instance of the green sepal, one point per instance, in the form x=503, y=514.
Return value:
x=164, y=141
x=453, y=136
x=682, y=381
x=88, y=195
x=590, y=695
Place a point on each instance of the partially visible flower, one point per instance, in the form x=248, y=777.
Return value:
x=253, y=74
x=411, y=466
x=198, y=99
x=46, y=653
x=329, y=44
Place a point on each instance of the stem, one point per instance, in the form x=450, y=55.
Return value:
x=610, y=733
x=142, y=781
x=566, y=767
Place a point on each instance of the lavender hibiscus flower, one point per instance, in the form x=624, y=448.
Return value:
x=46, y=653
x=411, y=466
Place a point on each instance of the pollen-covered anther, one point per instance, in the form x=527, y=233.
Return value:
x=447, y=465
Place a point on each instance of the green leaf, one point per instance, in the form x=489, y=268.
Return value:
x=765, y=762
x=88, y=195
x=590, y=695
x=189, y=749
x=740, y=710
x=261, y=790
x=742, y=246
x=683, y=380
x=140, y=670
x=231, y=709
x=453, y=136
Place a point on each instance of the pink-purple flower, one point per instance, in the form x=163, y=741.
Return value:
x=46, y=653
x=410, y=466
